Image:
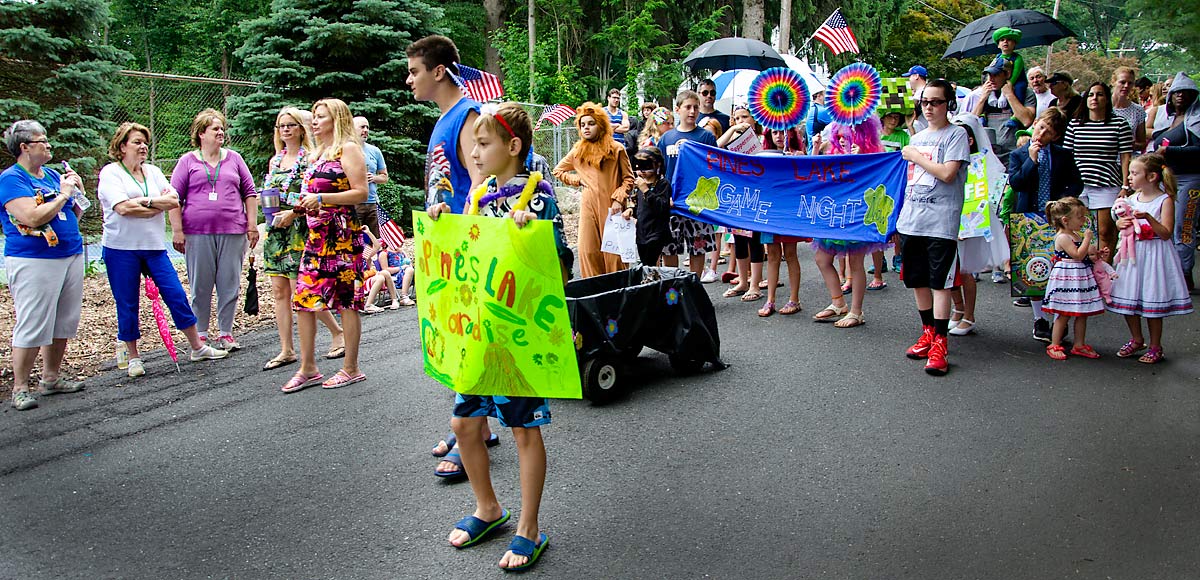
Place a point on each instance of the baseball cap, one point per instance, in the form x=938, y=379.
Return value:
x=1060, y=76
x=999, y=65
x=917, y=70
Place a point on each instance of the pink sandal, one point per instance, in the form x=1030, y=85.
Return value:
x=1154, y=355
x=342, y=379
x=1130, y=348
x=299, y=381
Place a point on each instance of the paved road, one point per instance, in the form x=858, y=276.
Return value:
x=820, y=453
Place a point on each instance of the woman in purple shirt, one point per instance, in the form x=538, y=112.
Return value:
x=217, y=217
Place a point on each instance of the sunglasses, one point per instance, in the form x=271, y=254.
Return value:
x=933, y=102
x=707, y=93
x=46, y=141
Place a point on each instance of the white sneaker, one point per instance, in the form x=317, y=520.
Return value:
x=135, y=369
x=208, y=353
x=708, y=277
x=226, y=343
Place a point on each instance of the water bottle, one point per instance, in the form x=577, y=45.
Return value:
x=122, y=355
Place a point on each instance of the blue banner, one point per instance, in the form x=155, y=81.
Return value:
x=841, y=197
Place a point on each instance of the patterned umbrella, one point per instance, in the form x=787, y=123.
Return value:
x=854, y=93
x=160, y=318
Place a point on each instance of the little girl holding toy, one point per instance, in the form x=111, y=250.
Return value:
x=1151, y=286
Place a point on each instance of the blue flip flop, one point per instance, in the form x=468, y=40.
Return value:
x=478, y=529
x=522, y=546
x=455, y=458
x=451, y=441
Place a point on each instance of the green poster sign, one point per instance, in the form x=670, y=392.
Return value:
x=491, y=306
x=976, y=218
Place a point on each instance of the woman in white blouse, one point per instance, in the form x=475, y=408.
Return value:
x=134, y=195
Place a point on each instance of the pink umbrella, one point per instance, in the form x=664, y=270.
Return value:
x=160, y=318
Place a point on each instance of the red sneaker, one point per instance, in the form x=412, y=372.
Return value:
x=920, y=350
x=937, y=365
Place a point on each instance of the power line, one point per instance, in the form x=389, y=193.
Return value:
x=942, y=13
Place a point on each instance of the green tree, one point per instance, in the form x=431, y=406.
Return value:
x=59, y=71
x=353, y=50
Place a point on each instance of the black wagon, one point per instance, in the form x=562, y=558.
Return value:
x=616, y=315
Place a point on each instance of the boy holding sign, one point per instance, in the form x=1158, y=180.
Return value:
x=929, y=221
x=503, y=136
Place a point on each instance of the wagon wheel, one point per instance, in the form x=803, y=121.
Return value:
x=601, y=379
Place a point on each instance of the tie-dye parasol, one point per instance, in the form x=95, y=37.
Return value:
x=160, y=319
x=778, y=98
x=853, y=93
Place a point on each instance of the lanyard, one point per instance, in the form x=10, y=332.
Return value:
x=31, y=175
x=144, y=186
x=209, y=175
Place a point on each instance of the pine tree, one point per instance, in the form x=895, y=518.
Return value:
x=58, y=69
x=348, y=49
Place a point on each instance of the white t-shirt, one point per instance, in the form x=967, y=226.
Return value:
x=932, y=207
x=1043, y=101
x=128, y=232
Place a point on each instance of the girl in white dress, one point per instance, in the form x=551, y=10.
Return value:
x=1150, y=286
x=1071, y=291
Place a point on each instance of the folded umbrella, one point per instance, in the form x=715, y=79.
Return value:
x=1037, y=29
x=160, y=319
x=251, y=307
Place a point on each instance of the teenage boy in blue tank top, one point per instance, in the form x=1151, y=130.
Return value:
x=449, y=178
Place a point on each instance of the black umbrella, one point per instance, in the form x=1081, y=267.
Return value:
x=734, y=53
x=1037, y=29
x=251, y=307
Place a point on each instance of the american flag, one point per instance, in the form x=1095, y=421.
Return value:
x=476, y=84
x=389, y=231
x=556, y=114
x=836, y=34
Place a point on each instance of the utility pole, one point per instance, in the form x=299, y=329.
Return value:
x=1050, y=47
x=785, y=26
x=532, y=44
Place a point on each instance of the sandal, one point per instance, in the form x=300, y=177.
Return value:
x=1085, y=351
x=728, y=277
x=833, y=311
x=733, y=292
x=395, y=305
x=847, y=287
x=450, y=441
x=1152, y=356
x=453, y=457
x=478, y=529
x=279, y=362
x=521, y=546
x=850, y=320
x=1131, y=348
x=299, y=381
x=877, y=285
x=1056, y=352
x=752, y=296
x=372, y=309
x=790, y=308
x=338, y=352
x=767, y=310
x=342, y=379
x=406, y=301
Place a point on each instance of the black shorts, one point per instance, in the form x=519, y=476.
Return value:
x=928, y=262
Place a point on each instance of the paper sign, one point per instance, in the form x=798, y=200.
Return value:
x=492, y=310
x=976, y=219
x=747, y=143
x=620, y=237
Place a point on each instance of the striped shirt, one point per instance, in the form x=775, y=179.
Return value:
x=1098, y=146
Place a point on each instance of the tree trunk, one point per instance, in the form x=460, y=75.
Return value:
x=495, y=19
x=752, y=19
x=785, y=26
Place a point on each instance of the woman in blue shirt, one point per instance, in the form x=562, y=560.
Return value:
x=43, y=254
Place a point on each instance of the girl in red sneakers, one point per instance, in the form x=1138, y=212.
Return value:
x=1071, y=291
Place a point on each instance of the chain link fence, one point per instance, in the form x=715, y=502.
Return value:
x=167, y=104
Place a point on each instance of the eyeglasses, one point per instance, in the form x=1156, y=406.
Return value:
x=287, y=126
x=933, y=102
x=46, y=141
x=707, y=93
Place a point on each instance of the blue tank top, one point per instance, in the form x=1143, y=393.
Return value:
x=615, y=120
x=446, y=179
